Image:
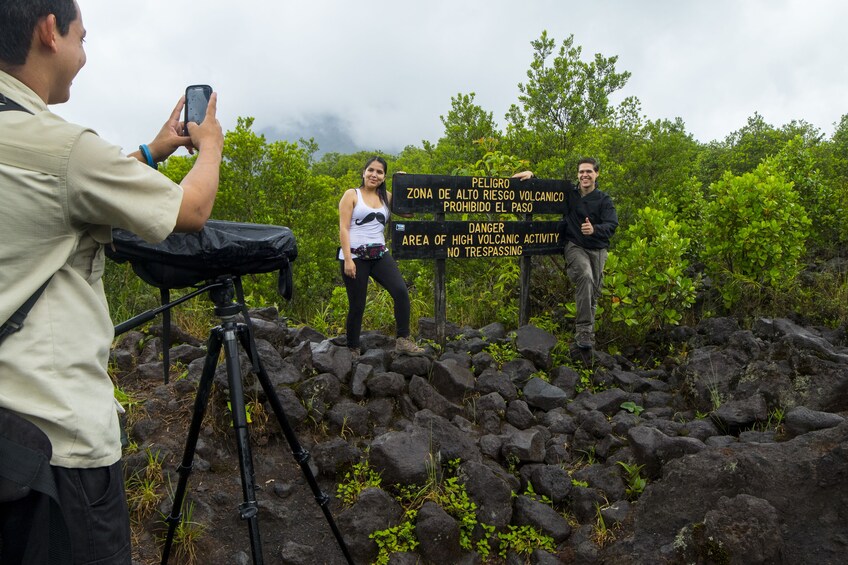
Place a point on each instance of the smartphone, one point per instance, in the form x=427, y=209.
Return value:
x=196, y=99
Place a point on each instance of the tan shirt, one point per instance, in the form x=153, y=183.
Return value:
x=62, y=189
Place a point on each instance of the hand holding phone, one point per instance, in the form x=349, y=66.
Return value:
x=174, y=133
x=196, y=100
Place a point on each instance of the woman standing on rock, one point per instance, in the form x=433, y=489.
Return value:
x=363, y=215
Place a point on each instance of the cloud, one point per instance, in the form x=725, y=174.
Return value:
x=377, y=74
x=332, y=133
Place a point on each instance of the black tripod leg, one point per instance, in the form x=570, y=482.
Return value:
x=200, y=401
x=301, y=455
x=249, y=509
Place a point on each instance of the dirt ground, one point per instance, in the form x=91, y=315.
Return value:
x=289, y=520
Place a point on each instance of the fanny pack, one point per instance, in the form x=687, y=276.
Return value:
x=369, y=251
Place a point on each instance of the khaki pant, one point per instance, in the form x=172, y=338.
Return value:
x=585, y=268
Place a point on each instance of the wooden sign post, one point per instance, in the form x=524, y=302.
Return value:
x=491, y=198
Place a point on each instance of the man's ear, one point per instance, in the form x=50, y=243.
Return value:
x=46, y=32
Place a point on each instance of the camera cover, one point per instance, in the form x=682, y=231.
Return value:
x=221, y=248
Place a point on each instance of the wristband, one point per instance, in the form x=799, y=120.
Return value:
x=145, y=150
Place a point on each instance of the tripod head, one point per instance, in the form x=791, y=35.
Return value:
x=223, y=296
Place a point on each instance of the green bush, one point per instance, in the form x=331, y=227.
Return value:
x=493, y=284
x=646, y=286
x=360, y=477
x=494, y=163
x=755, y=232
x=685, y=203
x=820, y=195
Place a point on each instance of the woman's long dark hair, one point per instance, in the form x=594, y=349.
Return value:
x=382, y=192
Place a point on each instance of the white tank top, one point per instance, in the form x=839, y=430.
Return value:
x=367, y=225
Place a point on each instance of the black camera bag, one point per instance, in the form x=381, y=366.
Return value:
x=25, y=472
x=220, y=249
x=26, y=452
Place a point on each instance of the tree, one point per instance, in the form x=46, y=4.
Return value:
x=658, y=168
x=465, y=124
x=562, y=99
x=744, y=149
x=824, y=201
x=832, y=159
x=419, y=160
x=270, y=183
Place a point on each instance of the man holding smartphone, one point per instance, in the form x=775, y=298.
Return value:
x=63, y=190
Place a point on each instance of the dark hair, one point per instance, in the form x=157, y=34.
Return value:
x=381, y=190
x=18, y=19
x=591, y=161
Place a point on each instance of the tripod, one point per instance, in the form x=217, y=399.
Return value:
x=228, y=335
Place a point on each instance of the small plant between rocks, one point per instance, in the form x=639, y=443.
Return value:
x=445, y=489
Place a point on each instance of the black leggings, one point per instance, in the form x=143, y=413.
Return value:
x=385, y=271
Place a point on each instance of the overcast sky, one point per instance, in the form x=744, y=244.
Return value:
x=377, y=74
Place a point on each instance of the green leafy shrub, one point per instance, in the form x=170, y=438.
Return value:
x=523, y=540
x=494, y=162
x=819, y=194
x=632, y=407
x=359, y=478
x=397, y=539
x=686, y=204
x=493, y=284
x=821, y=296
x=442, y=487
x=502, y=353
x=646, y=286
x=453, y=498
x=755, y=232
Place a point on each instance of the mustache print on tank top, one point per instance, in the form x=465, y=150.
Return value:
x=379, y=216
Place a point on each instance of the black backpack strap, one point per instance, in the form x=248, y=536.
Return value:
x=6, y=104
x=16, y=320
